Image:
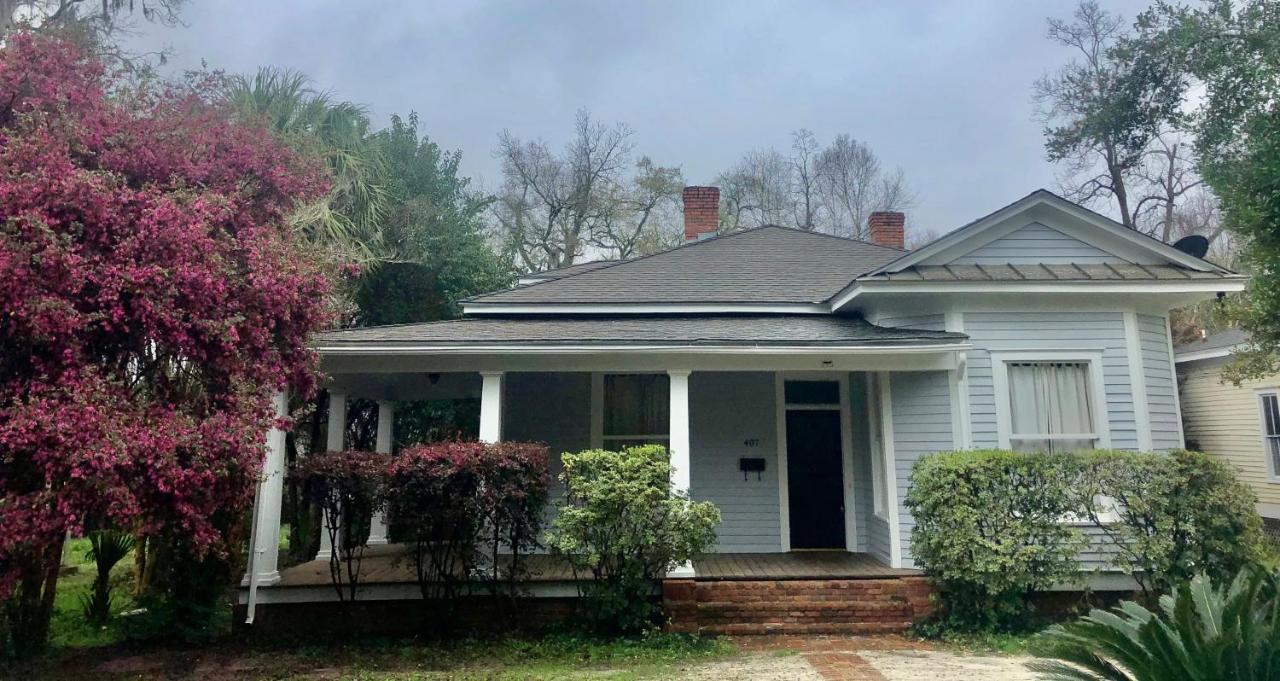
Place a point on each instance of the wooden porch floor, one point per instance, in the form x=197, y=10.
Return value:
x=392, y=564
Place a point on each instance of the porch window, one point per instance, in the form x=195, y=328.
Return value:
x=1270, y=405
x=637, y=410
x=1050, y=407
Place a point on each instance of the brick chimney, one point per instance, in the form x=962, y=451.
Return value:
x=886, y=228
x=701, y=212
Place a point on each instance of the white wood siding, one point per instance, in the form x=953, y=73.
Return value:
x=1162, y=391
x=726, y=410
x=1091, y=331
x=1037, y=243
x=1222, y=420
x=921, y=426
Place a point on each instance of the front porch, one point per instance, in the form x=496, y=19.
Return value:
x=803, y=437
x=387, y=569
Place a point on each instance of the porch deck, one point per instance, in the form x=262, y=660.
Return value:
x=392, y=564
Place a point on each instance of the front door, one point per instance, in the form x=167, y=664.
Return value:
x=815, y=479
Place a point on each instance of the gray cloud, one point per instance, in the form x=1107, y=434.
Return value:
x=941, y=89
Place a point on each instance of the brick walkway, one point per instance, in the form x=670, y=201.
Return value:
x=834, y=657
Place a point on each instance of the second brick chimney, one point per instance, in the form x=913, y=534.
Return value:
x=701, y=212
x=886, y=228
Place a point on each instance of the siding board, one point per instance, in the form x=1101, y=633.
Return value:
x=1037, y=243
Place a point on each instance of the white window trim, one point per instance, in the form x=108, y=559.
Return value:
x=1000, y=381
x=846, y=447
x=1272, y=474
x=875, y=445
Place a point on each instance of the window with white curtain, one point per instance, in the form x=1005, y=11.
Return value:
x=1051, y=407
x=637, y=410
x=1270, y=405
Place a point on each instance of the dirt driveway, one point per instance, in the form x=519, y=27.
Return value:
x=857, y=659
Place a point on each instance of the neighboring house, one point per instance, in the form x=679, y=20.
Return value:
x=834, y=364
x=1239, y=423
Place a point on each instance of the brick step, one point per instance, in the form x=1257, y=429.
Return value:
x=796, y=606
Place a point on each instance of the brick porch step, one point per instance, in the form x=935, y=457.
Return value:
x=828, y=606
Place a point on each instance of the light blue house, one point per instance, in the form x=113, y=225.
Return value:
x=796, y=377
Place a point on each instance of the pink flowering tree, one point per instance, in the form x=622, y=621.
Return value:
x=151, y=298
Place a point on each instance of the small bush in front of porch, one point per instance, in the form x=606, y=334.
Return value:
x=621, y=523
x=348, y=488
x=989, y=530
x=455, y=501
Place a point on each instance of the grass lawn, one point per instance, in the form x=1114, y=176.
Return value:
x=109, y=653
x=550, y=657
x=69, y=628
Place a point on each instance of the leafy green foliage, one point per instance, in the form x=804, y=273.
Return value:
x=992, y=526
x=1223, y=56
x=107, y=547
x=433, y=231
x=989, y=531
x=1231, y=631
x=1178, y=515
x=621, y=523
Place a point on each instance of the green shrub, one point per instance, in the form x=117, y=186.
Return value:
x=621, y=523
x=1177, y=515
x=989, y=531
x=1200, y=632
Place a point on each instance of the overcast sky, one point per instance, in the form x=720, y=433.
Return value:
x=941, y=89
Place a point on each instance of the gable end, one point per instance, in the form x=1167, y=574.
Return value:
x=1037, y=243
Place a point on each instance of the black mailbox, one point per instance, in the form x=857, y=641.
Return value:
x=751, y=466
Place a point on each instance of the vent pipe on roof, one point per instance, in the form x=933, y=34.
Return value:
x=701, y=212
x=887, y=228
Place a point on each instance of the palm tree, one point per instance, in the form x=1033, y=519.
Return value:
x=347, y=220
x=1200, y=633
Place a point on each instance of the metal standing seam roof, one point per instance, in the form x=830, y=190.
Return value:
x=1046, y=272
x=669, y=330
x=763, y=265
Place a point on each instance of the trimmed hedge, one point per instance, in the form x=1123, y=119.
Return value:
x=989, y=530
x=995, y=527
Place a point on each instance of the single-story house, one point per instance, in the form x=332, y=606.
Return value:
x=1240, y=423
x=794, y=376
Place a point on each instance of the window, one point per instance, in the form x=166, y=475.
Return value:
x=1051, y=407
x=1270, y=404
x=637, y=410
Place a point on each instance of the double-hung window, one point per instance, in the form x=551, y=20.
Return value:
x=1269, y=403
x=1051, y=405
x=637, y=410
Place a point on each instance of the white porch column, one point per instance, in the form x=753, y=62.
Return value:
x=679, y=449
x=337, y=430
x=386, y=416
x=266, y=529
x=491, y=406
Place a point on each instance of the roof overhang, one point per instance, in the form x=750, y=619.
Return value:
x=481, y=309
x=1201, y=355
x=1173, y=292
x=411, y=358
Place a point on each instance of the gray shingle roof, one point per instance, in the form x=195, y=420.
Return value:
x=1045, y=272
x=763, y=265
x=673, y=330
x=1218, y=341
x=571, y=270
